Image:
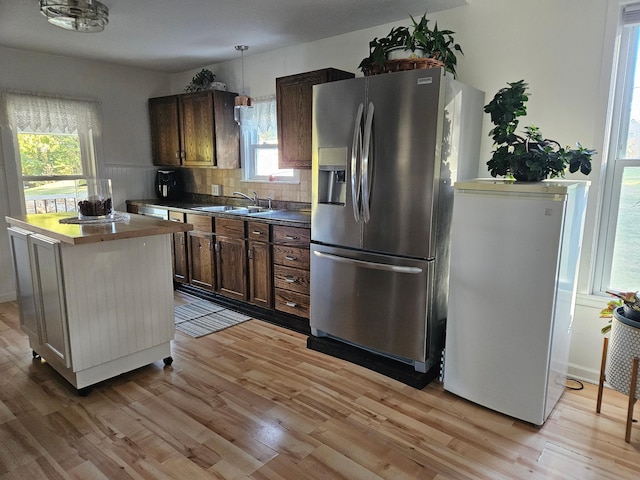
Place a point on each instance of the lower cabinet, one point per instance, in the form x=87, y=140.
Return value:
x=94, y=310
x=260, y=271
x=291, y=269
x=179, y=251
x=231, y=258
x=200, y=252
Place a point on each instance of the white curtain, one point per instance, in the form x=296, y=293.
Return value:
x=261, y=115
x=49, y=114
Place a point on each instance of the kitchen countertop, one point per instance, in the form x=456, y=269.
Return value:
x=133, y=226
x=295, y=218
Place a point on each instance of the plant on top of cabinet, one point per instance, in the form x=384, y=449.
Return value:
x=419, y=43
x=528, y=158
x=201, y=81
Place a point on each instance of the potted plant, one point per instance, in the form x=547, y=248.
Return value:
x=529, y=157
x=201, y=81
x=622, y=350
x=417, y=41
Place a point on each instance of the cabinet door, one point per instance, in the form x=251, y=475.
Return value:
x=165, y=133
x=19, y=244
x=227, y=131
x=197, y=128
x=50, y=300
x=294, y=98
x=231, y=267
x=179, y=251
x=260, y=291
x=201, y=273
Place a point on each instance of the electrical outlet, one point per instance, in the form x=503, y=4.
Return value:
x=216, y=190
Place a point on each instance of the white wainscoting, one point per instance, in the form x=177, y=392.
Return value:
x=130, y=183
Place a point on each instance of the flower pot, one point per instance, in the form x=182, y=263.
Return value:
x=624, y=346
x=401, y=53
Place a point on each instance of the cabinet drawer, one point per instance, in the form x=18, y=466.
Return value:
x=176, y=216
x=293, y=279
x=258, y=231
x=230, y=227
x=291, y=256
x=202, y=223
x=292, y=302
x=295, y=236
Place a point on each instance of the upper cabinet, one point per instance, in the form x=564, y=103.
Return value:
x=195, y=130
x=294, y=96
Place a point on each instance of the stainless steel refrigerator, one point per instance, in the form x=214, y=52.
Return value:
x=386, y=151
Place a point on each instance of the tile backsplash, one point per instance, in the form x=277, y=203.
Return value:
x=199, y=181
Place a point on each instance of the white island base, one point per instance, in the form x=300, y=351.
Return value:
x=95, y=310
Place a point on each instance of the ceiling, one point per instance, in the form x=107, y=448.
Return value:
x=181, y=35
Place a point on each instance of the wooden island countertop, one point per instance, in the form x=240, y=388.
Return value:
x=132, y=226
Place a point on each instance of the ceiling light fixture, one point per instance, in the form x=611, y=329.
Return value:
x=242, y=100
x=76, y=15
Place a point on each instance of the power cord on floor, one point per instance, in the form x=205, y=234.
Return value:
x=580, y=385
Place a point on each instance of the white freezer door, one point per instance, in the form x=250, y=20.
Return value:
x=504, y=261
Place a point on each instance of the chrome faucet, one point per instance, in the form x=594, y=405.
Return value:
x=255, y=199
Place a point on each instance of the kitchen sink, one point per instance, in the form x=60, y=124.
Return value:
x=218, y=208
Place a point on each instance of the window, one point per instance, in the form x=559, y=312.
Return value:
x=618, y=265
x=54, y=145
x=259, y=143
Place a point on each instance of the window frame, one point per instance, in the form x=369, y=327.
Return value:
x=622, y=94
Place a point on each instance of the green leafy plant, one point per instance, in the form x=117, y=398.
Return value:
x=528, y=157
x=629, y=300
x=437, y=44
x=201, y=81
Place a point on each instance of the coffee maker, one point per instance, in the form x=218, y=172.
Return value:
x=168, y=184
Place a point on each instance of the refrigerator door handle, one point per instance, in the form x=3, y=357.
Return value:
x=369, y=265
x=365, y=163
x=356, y=153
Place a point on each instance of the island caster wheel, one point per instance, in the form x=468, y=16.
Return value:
x=168, y=361
x=35, y=354
x=83, y=392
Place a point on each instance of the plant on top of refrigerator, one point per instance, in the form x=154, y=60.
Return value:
x=419, y=39
x=527, y=157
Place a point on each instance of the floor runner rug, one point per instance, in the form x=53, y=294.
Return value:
x=202, y=318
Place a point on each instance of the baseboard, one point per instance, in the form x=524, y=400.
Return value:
x=7, y=297
x=583, y=374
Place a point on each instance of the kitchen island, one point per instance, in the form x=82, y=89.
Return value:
x=95, y=299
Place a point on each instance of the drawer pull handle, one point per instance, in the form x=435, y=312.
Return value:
x=291, y=304
x=256, y=232
x=291, y=258
x=291, y=237
x=290, y=279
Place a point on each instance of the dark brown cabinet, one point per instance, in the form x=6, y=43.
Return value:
x=291, y=269
x=231, y=258
x=179, y=251
x=294, y=95
x=195, y=130
x=259, y=256
x=201, y=254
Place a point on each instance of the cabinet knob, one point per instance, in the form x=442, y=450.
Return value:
x=291, y=258
x=291, y=304
x=256, y=232
x=291, y=237
x=290, y=279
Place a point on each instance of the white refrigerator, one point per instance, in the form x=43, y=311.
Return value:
x=515, y=249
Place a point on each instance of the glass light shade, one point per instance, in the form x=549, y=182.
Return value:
x=95, y=200
x=76, y=15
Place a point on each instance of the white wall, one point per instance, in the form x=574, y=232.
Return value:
x=125, y=151
x=563, y=49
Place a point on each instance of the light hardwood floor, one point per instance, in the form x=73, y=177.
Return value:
x=252, y=402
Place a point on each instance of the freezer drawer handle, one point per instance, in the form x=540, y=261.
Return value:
x=371, y=265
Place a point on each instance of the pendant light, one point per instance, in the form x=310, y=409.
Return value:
x=242, y=100
x=76, y=15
